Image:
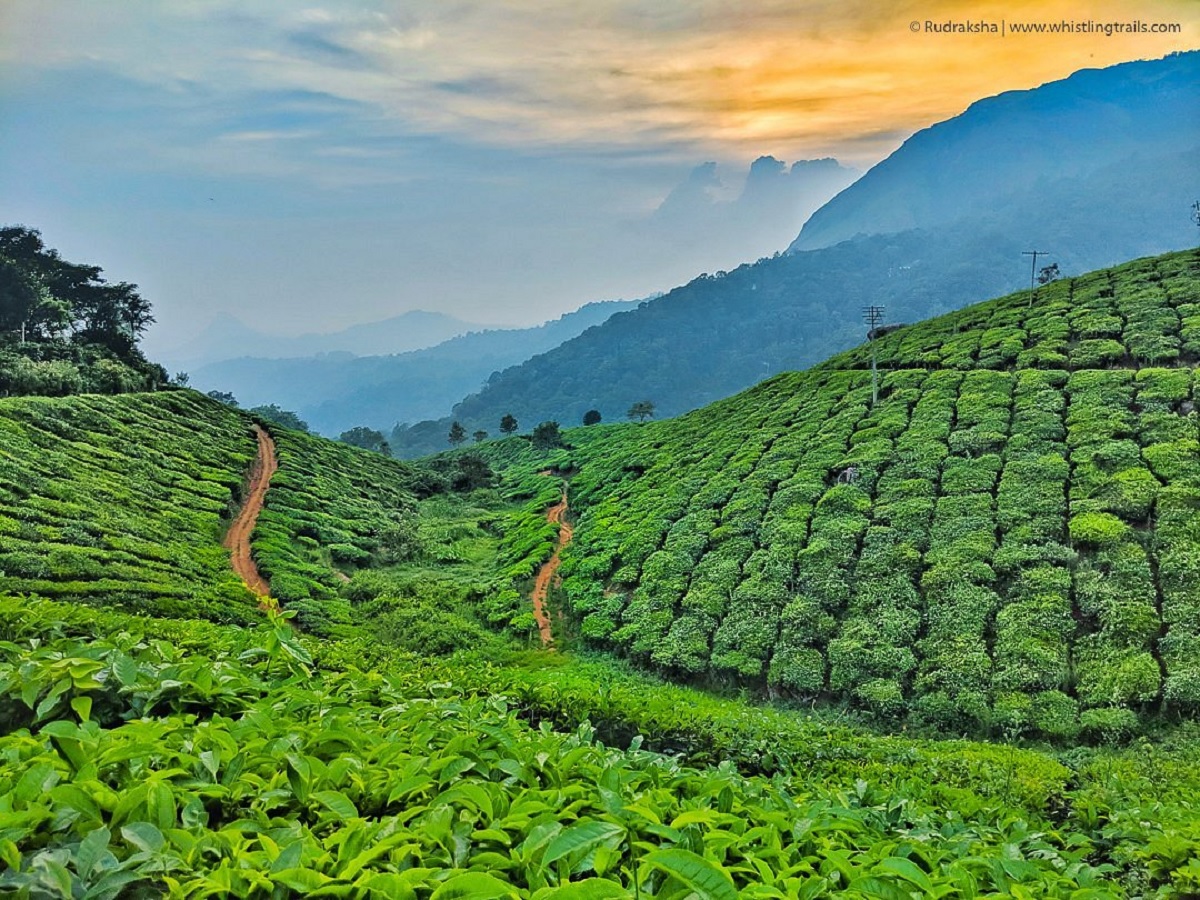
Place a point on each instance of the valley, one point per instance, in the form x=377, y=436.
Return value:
x=802, y=646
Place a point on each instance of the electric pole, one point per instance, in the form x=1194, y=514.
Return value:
x=1033, y=271
x=873, y=316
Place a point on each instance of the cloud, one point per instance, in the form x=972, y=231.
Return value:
x=673, y=79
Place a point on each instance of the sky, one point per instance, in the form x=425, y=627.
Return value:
x=309, y=167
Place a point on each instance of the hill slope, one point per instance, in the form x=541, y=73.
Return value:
x=1005, y=154
x=1010, y=536
x=720, y=334
x=123, y=501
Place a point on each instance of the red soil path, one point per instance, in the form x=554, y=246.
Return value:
x=541, y=586
x=237, y=539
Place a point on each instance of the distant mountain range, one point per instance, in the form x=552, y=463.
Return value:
x=226, y=337
x=1005, y=153
x=335, y=392
x=943, y=220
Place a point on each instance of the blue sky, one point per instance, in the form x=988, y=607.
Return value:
x=311, y=167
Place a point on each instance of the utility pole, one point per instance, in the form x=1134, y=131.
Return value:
x=1033, y=271
x=873, y=316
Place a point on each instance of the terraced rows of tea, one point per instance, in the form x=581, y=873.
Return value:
x=123, y=501
x=1009, y=540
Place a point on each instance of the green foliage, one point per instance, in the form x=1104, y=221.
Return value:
x=981, y=551
x=148, y=756
x=546, y=436
x=367, y=439
x=63, y=328
x=284, y=418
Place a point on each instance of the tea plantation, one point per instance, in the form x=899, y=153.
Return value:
x=124, y=500
x=1008, y=542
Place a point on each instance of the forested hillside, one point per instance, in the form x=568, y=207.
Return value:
x=1097, y=169
x=1007, y=541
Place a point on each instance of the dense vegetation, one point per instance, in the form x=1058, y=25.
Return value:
x=1007, y=543
x=205, y=760
x=123, y=501
x=1000, y=544
x=63, y=328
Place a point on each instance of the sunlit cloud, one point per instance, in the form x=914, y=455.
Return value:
x=672, y=77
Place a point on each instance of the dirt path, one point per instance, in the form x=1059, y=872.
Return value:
x=237, y=539
x=541, y=586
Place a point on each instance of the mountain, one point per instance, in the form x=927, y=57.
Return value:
x=335, y=392
x=1007, y=539
x=1005, y=544
x=226, y=337
x=1005, y=153
x=773, y=202
x=721, y=333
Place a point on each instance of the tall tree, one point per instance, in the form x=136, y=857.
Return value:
x=480, y=436
x=508, y=424
x=284, y=418
x=367, y=439
x=642, y=410
x=547, y=436
x=457, y=434
x=591, y=417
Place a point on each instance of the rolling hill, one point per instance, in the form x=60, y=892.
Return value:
x=1023, y=498
x=122, y=501
x=1006, y=541
x=722, y=333
x=336, y=392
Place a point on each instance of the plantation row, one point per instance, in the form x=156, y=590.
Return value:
x=1144, y=313
x=124, y=501
x=204, y=760
x=985, y=549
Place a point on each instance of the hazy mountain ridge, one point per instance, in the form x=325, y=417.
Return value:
x=333, y=392
x=227, y=337
x=720, y=334
x=1015, y=141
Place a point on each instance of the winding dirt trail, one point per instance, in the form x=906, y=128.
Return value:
x=541, y=585
x=237, y=539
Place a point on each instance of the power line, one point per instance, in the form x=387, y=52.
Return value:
x=1033, y=271
x=873, y=316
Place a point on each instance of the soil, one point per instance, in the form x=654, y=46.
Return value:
x=237, y=539
x=555, y=514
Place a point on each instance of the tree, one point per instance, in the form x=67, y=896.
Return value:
x=1048, y=274
x=547, y=436
x=591, y=417
x=642, y=410
x=223, y=397
x=367, y=439
x=508, y=424
x=457, y=434
x=181, y=378
x=473, y=472
x=480, y=436
x=284, y=418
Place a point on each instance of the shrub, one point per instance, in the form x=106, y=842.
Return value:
x=1109, y=725
x=1098, y=529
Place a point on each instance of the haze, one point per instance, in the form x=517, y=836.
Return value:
x=306, y=169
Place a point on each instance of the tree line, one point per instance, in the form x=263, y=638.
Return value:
x=64, y=328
